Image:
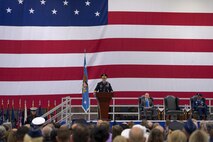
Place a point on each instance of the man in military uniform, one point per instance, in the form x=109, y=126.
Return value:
x=32, y=115
x=103, y=86
x=200, y=106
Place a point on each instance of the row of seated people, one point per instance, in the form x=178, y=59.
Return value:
x=148, y=110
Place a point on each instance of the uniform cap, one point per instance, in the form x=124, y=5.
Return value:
x=104, y=75
x=38, y=121
x=198, y=94
x=125, y=133
x=33, y=108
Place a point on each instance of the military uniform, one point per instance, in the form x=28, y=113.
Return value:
x=200, y=106
x=103, y=87
x=32, y=115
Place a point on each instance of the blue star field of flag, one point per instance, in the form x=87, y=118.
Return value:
x=53, y=12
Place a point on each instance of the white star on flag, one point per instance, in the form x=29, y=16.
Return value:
x=87, y=3
x=54, y=11
x=43, y=2
x=76, y=12
x=65, y=2
x=97, y=13
x=20, y=1
x=31, y=11
x=85, y=102
x=9, y=10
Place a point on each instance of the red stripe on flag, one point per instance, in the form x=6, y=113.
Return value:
x=161, y=18
x=114, y=71
x=119, y=44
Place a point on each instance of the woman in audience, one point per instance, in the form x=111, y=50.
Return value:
x=177, y=136
x=199, y=136
x=155, y=135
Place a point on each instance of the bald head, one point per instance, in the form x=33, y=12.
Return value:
x=46, y=131
x=136, y=135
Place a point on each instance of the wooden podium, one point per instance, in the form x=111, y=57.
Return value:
x=103, y=104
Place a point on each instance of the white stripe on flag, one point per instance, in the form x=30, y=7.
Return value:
x=109, y=31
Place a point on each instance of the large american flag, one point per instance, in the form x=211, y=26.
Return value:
x=163, y=47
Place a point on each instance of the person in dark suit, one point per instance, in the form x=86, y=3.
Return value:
x=147, y=105
x=32, y=115
x=148, y=100
x=103, y=86
x=200, y=106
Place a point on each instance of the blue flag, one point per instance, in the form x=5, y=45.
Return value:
x=85, y=90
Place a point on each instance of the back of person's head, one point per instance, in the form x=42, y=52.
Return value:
x=46, y=131
x=199, y=136
x=100, y=134
x=120, y=139
x=155, y=135
x=105, y=124
x=189, y=127
x=28, y=138
x=177, y=136
x=116, y=130
x=2, y=132
x=12, y=136
x=209, y=127
x=53, y=135
x=80, y=133
x=136, y=134
x=20, y=133
x=63, y=134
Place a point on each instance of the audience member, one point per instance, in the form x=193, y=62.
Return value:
x=136, y=134
x=46, y=132
x=156, y=135
x=120, y=139
x=21, y=133
x=80, y=133
x=116, y=131
x=209, y=127
x=199, y=136
x=100, y=134
x=2, y=134
x=63, y=135
x=189, y=128
x=12, y=136
x=177, y=136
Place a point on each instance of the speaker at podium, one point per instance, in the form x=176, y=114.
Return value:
x=104, y=99
x=103, y=93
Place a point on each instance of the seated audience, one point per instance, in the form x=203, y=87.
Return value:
x=80, y=133
x=120, y=139
x=176, y=136
x=199, y=136
x=136, y=134
x=189, y=127
x=63, y=135
x=156, y=135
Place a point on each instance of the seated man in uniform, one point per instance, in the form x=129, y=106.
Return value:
x=200, y=106
x=103, y=86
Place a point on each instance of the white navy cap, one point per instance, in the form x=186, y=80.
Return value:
x=125, y=133
x=38, y=121
x=33, y=108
